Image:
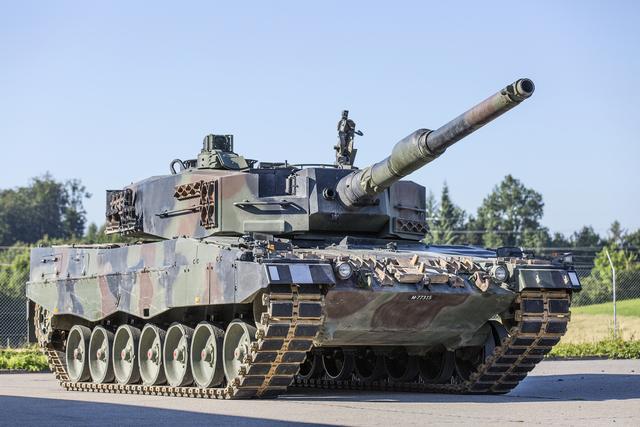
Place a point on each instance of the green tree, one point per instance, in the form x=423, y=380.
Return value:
x=586, y=237
x=559, y=240
x=510, y=216
x=14, y=271
x=622, y=261
x=536, y=238
x=633, y=240
x=445, y=219
x=473, y=232
x=45, y=207
x=597, y=287
x=96, y=234
x=617, y=235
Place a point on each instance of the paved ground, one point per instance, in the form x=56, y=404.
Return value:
x=569, y=393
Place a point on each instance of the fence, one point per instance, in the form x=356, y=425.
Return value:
x=609, y=303
x=592, y=309
x=14, y=272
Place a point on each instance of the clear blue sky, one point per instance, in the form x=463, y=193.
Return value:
x=111, y=93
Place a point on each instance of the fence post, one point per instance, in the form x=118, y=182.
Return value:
x=613, y=272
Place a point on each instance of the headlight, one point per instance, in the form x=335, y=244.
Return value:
x=500, y=273
x=344, y=270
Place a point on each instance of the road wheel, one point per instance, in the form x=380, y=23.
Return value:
x=311, y=367
x=76, y=354
x=400, y=366
x=175, y=355
x=236, y=348
x=150, y=355
x=338, y=364
x=369, y=365
x=125, y=354
x=206, y=355
x=469, y=359
x=100, y=364
x=436, y=367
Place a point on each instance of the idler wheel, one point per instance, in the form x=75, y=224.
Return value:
x=311, y=367
x=437, y=366
x=369, y=365
x=400, y=366
x=500, y=332
x=468, y=359
x=237, y=348
x=150, y=355
x=338, y=364
x=175, y=355
x=125, y=354
x=206, y=355
x=100, y=364
x=76, y=354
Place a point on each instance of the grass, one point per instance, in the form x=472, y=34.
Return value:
x=588, y=328
x=29, y=359
x=610, y=348
x=594, y=323
x=628, y=307
x=32, y=360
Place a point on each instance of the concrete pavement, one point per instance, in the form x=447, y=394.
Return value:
x=586, y=392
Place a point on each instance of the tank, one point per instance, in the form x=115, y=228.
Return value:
x=250, y=278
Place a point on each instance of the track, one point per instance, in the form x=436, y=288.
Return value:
x=541, y=320
x=293, y=319
x=285, y=335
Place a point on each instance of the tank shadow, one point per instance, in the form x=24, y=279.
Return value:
x=28, y=411
x=572, y=387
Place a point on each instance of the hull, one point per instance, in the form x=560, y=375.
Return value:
x=408, y=318
x=169, y=278
x=299, y=311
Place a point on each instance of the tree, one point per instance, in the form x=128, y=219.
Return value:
x=617, y=235
x=632, y=240
x=510, y=216
x=559, y=240
x=622, y=261
x=597, y=287
x=14, y=272
x=73, y=214
x=586, y=237
x=445, y=219
x=536, y=238
x=96, y=234
x=473, y=232
x=43, y=208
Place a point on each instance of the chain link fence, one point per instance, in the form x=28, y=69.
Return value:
x=609, y=304
x=592, y=309
x=14, y=273
x=597, y=289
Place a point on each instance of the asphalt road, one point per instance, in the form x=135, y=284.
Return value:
x=557, y=392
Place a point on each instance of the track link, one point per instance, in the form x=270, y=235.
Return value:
x=285, y=334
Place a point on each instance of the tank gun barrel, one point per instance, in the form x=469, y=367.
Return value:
x=424, y=145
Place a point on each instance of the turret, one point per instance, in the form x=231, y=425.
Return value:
x=220, y=193
x=424, y=145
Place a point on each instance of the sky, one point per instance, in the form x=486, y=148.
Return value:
x=111, y=92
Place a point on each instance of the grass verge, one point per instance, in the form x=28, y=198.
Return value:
x=609, y=348
x=627, y=307
x=587, y=328
x=32, y=360
x=29, y=359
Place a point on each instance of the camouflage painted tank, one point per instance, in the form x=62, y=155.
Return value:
x=251, y=278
